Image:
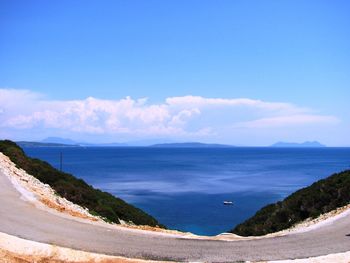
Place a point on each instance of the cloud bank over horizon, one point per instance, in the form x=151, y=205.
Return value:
x=242, y=121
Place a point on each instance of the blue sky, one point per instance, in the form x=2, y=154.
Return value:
x=59, y=53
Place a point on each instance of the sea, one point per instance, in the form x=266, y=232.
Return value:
x=184, y=188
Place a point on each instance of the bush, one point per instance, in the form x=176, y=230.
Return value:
x=321, y=197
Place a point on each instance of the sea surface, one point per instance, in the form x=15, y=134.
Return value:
x=184, y=188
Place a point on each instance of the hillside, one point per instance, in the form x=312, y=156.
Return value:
x=318, y=198
x=76, y=190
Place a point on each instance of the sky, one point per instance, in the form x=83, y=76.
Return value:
x=237, y=72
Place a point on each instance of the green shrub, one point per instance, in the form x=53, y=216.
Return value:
x=321, y=197
x=76, y=190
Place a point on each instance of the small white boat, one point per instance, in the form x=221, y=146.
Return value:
x=228, y=203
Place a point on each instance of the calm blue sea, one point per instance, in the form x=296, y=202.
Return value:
x=184, y=188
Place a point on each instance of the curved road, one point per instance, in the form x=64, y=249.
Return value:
x=22, y=219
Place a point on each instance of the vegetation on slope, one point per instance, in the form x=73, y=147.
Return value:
x=321, y=197
x=76, y=190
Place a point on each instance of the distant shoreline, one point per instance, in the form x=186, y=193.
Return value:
x=164, y=146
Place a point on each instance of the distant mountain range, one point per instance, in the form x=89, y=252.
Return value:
x=307, y=144
x=157, y=143
x=191, y=145
x=49, y=142
x=59, y=141
x=64, y=141
x=44, y=144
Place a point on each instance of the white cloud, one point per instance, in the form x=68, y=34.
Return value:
x=197, y=101
x=183, y=116
x=177, y=116
x=287, y=121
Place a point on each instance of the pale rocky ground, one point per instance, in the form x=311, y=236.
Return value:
x=44, y=197
x=17, y=250
x=333, y=258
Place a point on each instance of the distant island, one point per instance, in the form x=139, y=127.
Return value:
x=307, y=144
x=44, y=144
x=63, y=142
x=191, y=145
x=58, y=140
x=70, y=143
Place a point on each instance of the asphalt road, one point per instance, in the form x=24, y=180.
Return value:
x=23, y=219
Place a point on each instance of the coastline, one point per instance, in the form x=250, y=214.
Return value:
x=43, y=197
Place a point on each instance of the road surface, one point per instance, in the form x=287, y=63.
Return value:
x=24, y=220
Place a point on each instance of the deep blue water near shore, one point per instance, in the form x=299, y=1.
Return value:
x=184, y=188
